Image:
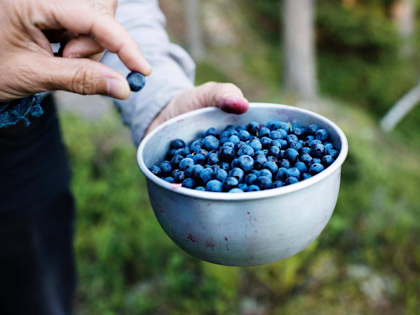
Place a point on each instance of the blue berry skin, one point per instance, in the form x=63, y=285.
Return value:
x=274, y=135
x=235, y=191
x=272, y=159
x=291, y=138
x=196, y=171
x=210, y=143
x=306, y=150
x=306, y=176
x=253, y=127
x=321, y=134
x=234, y=163
x=246, y=150
x=237, y=173
x=213, y=159
x=234, y=139
x=215, y=167
x=285, y=163
x=188, y=172
x=227, y=153
x=333, y=153
x=253, y=188
x=316, y=168
x=283, y=143
x=291, y=181
x=199, y=159
x=274, y=151
x=229, y=144
x=259, y=152
x=314, y=143
x=275, y=143
x=298, y=131
x=295, y=145
x=311, y=129
x=271, y=166
x=212, y=132
x=179, y=176
x=263, y=132
x=243, y=186
x=225, y=134
x=266, y=173
x=273, y=124
x=282, y=174
x=170, y=180
x=221, y=175
x=318, y=151
x=200, y=188
x=166, y=168
x=285, y=126
x=177, y=144
x=327, y=160
x=207, y=175
x=265, y=152
x=246, y=162
x=281, y=155
x=291, y=155
x=186, y=163
x=225, y=166
x=240, y=127
x=244, y=135
x=255, y=172
x=278, y=184
x=305, y=158
x=328, y=146
x=188, y=183
x=309, y=138
x=301, y=167
x=250, y=179
x=265, y=142
x=231, y=182
x=255, y=144
x=264, y=182
x=294, y=172
x=315, y=161
x=176, y=160
x=136, y=81
x=214, y=186
x=239, y=145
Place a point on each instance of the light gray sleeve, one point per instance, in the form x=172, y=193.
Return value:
x=173, y=68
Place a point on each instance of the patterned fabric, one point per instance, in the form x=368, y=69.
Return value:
x=20, y=110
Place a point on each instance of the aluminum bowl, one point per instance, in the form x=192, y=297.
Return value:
x=244, y=229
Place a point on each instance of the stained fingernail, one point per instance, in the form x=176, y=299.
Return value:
x=116, y=89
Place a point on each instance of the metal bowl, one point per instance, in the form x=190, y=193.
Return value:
x=245, y=229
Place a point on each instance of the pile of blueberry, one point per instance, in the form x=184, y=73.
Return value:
x=248, y=158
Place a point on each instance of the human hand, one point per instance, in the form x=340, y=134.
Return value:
x=28, y=65
x=226, y=96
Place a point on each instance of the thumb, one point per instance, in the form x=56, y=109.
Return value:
x=81, y=76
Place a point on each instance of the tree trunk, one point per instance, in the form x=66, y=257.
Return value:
x=299, y=48
x=194, y=31
x=404, y=13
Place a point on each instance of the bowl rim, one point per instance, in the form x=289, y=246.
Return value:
x=223, y=196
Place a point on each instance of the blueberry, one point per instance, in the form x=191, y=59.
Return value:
x=227, y=153
x=328, y=146
x=213, y=159
x=306, y=176
x=316, y=168
x=291, y=180
x=253, y=188
x=235, y=191
x=243, y=186
x=283, y=133
x=265, y=142
x=274, y=151
x=271, y=166
x=176, y=160
x=333, y=153
x=240, y=127
x=225, y=166
x=255, y=144
x=212, y=132
x=294, y=172
x=239, y=145
x=255, y=172
x=314, y=143
x=298, y=131
x=188, y=183
x=221, y=175
x=295, y=145
x=246, y=162
x=263, y=182
x=253, y=127
x=284, y=126
x=200, y=188
x=199, y=159
x=215, y=167
x=274, y=135
x=246, y=150
x=285, y=163
x=259, y=152
x=282, y=174
x=273, y=124
x=203, y=152
x=318, y=151
x=237, y=173
x=234, y=139
x=214, y=185
x=291, y=138
x=315, y=161
x=265, y=173
x=210, y=143
x=327, y=160
x=179, y=176
x=224, y=140
x=291, y=155
x=263, y=132
x=229, y=144
x=311, y=129
x=229, y=183
x=283, y=143
x=177, y=144
x=207, y=174
x=278, y=184
x=306, y=150
x=244, y=135
x=225, y=134
x=250, y=179
x=185, y=164
x=321, y=134
x=308, y=138
x=281, y=155
x=136, y=81
x=196, y=171
x=301, y=167
x=166, y=168
x=170, y=180
x=170, y=154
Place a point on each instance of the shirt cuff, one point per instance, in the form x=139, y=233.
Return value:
x=20, y=110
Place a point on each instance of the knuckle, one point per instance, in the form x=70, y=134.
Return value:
x=83, y=82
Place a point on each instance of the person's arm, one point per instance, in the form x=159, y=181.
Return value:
x=169, y=90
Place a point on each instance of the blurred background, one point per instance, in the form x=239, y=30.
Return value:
x=356, y=62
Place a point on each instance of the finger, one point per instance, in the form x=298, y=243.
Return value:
x=226, y=96
x=82, y=76
x=81, y=47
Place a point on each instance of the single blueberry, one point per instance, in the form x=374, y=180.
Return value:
x=169, y=180
x=327, y=160
x=294, y=172
x=196, y=171
x=253, y=127
x=281, y=155
x=285, y=163
x=309, y=138
x=306, y=150
x=291, y=181
x=292, y=138
x=246, y=162
x=234, y=139
x=284, y=126
x=263, y=182
x=239, y=145
x=291, y=155
x=229, y=144
x=259, y=152
x=321, y=134
x=235, y=191
x=265, y=142
x=305, y=158
x=278, y=184
x=225, y=134
x=283, y=143
x=221, y=175
x=311, y=129
x=200, y=188
x=298, y=132
x=176, y=160
x=227, y=153
x=306, y=176
x=136, y=81
x=333, y=153
x=215, y=168
x=272, y=159
x=214, y=185
x=212, y=132
x=271, y=166
x=244, y=135
x=253, y=188
x=255, y=144
x=179, y=176
x=316, y=168
x=250, y=179
x=273, y=124
x=243, y=186
x=263, y=132
x=265, y=173
x=274, y=151
x=240, y=127
x=185, y=164
x=275, y=143
x=207, y=174
x=199, y=159
x=237, y=173
x=314, y=143
x=166, y=168
x=328, y=146
x=275, y=134
x=246, y=150
x=295, y=145
x=210, y=143
x=177, y=144
x=301, y=167
x=255, y=172
x=318, y=151
x=282, y=174
x=188, y=183
x=225, y=166
x=229, y=183
x=315, y=161
x=213, y=159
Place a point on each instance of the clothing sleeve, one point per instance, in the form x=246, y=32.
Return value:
x=173, y=69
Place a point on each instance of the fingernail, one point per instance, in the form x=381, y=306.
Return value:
x=116, y=89
x=74, y=56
